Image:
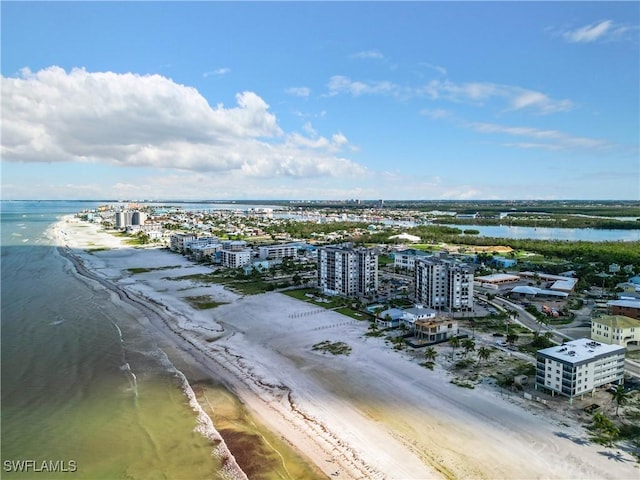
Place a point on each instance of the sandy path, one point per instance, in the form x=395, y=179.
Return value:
x=372, y=414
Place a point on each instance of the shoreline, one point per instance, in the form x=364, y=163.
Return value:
x=372, y=414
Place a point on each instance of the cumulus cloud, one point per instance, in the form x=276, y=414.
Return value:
x=603, y=30
x=150, y=121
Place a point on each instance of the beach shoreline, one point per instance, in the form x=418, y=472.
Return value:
x=372, y=414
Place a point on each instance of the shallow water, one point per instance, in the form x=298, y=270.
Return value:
x=83, y=384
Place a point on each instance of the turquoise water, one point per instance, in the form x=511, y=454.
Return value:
x=84, y=386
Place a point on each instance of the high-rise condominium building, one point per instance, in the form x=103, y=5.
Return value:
x=443, y=283
x=347, y=271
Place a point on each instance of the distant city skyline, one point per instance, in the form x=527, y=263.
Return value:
x=320, y=100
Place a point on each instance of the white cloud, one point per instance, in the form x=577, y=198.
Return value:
x=437, y=68
x=299, y=91
x=369, y=54
x=340, y=84
x=605, y=30
x=150, y=121
x=547, y=139
x=217, y=72
x=475, y=93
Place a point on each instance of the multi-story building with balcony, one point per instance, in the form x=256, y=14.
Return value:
x=235, y=258
x=270, y=252
x=443, y=283
x=579, y=367
x=347, y=271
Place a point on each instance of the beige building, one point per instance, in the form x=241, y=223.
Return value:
x=436, y=330
x=615, y=330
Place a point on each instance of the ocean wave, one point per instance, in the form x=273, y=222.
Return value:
x=230, y=468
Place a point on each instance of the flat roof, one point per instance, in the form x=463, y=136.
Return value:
x=498, y=277
x=617, y=321
x=580, y=351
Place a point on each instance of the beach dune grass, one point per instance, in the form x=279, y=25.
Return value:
x=203, y=302
x=335, y=348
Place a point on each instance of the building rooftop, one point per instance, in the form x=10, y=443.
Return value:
x=498, y=277
x=624, y=303
x=617, y=321
x=527, y=290
x=581, y=350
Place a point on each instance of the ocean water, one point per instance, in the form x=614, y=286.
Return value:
x=86, y=392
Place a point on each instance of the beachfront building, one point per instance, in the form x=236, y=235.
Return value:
x=177, y=241
x=347, y=271
x=579, y=367
x=443, y=283
x=126, y=218
x=271, y=252
x=416, y=314
x=436, y=330
x=235, y=258
x=615, y=330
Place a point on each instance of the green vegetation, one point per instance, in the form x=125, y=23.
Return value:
x=203, y=302
x=135, y=270
x=462, y=383
x=335, y=348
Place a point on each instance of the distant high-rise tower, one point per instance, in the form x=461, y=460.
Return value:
x=347, y=271
x=443, y=284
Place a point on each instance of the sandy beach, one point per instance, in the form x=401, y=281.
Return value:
x=375, y=413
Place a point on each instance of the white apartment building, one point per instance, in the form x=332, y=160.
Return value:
x=236, y=258
x=126, y=218
x=347, y=271
x=443, y=283
x=270, y=252
x=615, y=330
x=407, y=258
x=579, y=367
x=206, y=251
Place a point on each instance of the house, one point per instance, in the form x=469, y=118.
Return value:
x=615, y=330
x=579, y=367
x=436, y=330
x=390, y=318
x=412, y=315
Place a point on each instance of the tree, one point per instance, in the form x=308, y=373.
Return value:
x=621, y=397
x=430, y=354
x=469, y=346
x=512, y=338
x=606, y=432
x=455, y=343
x=483, y=354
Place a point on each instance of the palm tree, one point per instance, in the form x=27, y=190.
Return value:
x=483, y=354
x=430, y=354
x=455, y=343
x=621, y=397
x=512, y=338
x=469, y=346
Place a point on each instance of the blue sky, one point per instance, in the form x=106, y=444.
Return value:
x=322, y=100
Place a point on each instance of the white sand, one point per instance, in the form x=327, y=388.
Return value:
x=373, y=414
